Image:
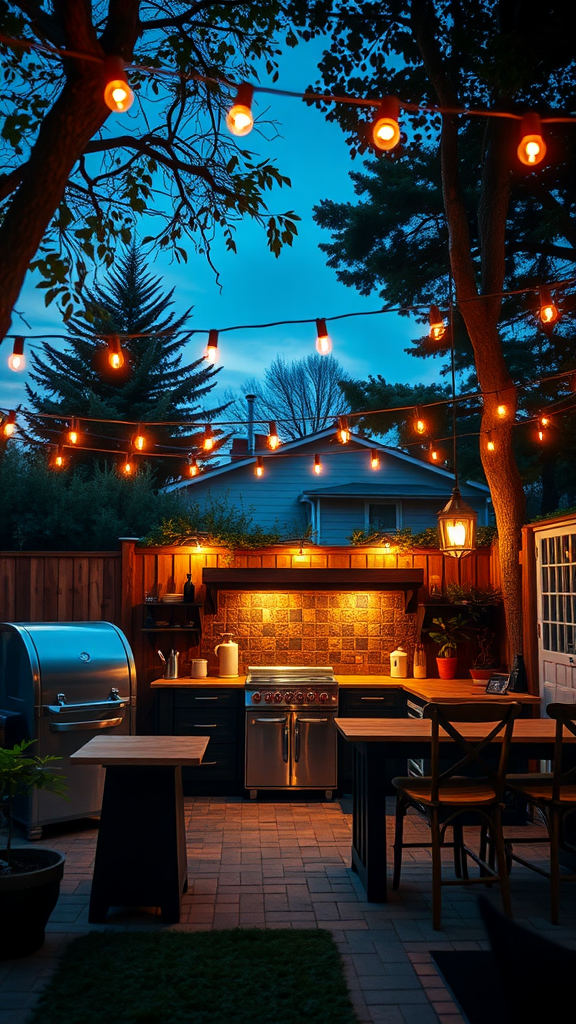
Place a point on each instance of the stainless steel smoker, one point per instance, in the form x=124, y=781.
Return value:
x=61, y=683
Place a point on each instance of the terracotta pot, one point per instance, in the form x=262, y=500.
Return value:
x=27, y=899
x=480, y=676
x=447, y=667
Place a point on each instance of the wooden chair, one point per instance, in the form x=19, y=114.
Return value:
x=554, y=793
x=471, y=784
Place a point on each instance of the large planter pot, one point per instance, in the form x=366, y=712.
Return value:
x=27, y=898
x=447, y=667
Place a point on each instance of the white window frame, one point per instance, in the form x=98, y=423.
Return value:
x=397, y=505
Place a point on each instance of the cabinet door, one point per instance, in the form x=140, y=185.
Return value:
x=314, y=751
x=267, y=750
x=369, y=702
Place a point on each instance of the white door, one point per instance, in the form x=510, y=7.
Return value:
x=556, y=586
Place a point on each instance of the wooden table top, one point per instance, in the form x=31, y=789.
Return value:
x=142, y=750
x=401, y=730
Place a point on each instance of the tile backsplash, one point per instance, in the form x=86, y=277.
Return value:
x=353, y=632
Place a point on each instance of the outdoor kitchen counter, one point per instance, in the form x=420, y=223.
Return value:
x=187, y=681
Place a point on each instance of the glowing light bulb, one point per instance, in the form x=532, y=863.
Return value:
x=540, y=435
x=548, y=311
x=138, y=440
x=259, y=469
x=419, y=424
x=239, y=118
x=490, y=445
x=211, y=350
x=115, y=354
x=208, y=440
x=273, y=439
x=58, y=459
x=127, y=467
x=9, y=424
x=437, y=325
x=74, y=433
x=118, y=95
x=193, y=467
x=374, y=459
x=434, y=455
x=544, y=421
x=501, y=410
x=17, y=359
x=385, y=127
x=456, y=534
x=317, y=465
x=343, y=430
x=323, y=340
x=531, y=148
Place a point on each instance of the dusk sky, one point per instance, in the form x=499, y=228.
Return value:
x=255, y=286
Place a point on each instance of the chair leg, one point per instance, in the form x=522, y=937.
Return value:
x=460, y=859
x=554, y=830
x=498, y=843
x=436, y=871
x=398, y=838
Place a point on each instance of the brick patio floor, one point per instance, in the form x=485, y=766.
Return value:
x=286, y=865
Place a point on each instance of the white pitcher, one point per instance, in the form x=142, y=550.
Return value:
x=227, y=653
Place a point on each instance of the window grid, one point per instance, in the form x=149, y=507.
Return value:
x=558, y=585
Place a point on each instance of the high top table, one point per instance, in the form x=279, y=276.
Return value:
x=377, y=739
x=141, y=849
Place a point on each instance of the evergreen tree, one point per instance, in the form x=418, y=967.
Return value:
x=153, y=385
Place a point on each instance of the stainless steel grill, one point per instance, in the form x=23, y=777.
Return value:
x=60, y=684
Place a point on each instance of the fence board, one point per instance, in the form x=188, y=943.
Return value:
x=81, y=589
x=37, y=588
x=65, y=609
x=22, y=589
x=8, y=591
x=51, y=589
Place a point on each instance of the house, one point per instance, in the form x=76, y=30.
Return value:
x=318, y=481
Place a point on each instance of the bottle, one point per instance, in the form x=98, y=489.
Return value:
x=227, y=653
x=518, y=682
x=419, y=669
x=399, y=664
x=189, y=590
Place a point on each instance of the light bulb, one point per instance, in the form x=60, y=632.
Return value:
x=211, y=350
x=259, y=470
x=490, y=445
x=118, y=95
x=374, y=459
x=317, y=465
x=9, y=424
x=208, y=441
x=437, y=325
x=127, y=467
x=540, y=435
x=501, y=410
x=531, y=148
x=193, y=468
x=434, y=455
x=17, y=359
x=239, y=118
x=74, y=433
x=544, y=421
x=138, y=440
x=343, y=430
x=419, y=424
x=548, y=311
x=456, y=533
x=385, y=127
x=323, y=340
x=273, y=439
x=115, y=353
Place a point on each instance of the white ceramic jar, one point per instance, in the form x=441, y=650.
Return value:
x=399, y=664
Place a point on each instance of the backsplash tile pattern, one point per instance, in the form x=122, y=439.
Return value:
x=353, y=632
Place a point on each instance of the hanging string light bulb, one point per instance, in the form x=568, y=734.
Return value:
x=419, y=423
x=193, y=467
x=116, y=358
x=317, y=465
x=9, y=424
x=374, y=459
x=434, y=453
x=343, y=433
x=211, y=350
x=58, y=460
x=127, y=466
x=385, y=127
x=323, y=339
x=208, y=440
x=74, y=432
x=531, y=148
x=273, y=440
x=118, y=95
x=239, y=118
x=17, y=359
x=437, y=325
x=138, y=439
x=490, y=443
x=548, y=310
x=501, y=409
x=259, y=468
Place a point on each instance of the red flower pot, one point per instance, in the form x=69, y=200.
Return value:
x=447, y=667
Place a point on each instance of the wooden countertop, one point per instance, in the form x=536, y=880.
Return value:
x=143, y=750
x=445, y=690
x=406, y=730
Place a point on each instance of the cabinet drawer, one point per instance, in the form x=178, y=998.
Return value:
x=221, y=725
x=220, y=765
x=208, y=698
x=370, y=701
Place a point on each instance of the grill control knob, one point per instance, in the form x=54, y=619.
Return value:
x=277, y=696
x=323, y=697
x=310, y=696
x=268, y=696
x=299, y=697
x=288, y=696
x=256, y=697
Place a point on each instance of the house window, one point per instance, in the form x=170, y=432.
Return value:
x=382, y=517
x=558, y=588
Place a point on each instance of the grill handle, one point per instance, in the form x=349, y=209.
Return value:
x=100, y=723
x=285, y=742
x=96, y=705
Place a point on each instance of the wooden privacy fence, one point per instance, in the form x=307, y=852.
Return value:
x=58, y=586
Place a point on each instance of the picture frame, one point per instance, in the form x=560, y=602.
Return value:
x=498, y=682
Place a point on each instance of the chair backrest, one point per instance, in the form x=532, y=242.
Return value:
x=565, y=716
x=500, y=721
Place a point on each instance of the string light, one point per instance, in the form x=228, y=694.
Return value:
x=116, y=357
x=208, y=440
x=118, y=95
x=239, y=118
x=490, y=444
x=323, y=340
x=259, y=468
x=74, y=432
x=127, y=466
x=17, y=360
x=343, y=434
x=138, y=439
x=317, y=465
x=437, y=325
x=385, y=127
x=374, y=459
x=419, y=423
x=434, y=453
x=9, y=424
x=531, y=148
x=193, y=467
x=273, y=440
x=544, y=421
x=501, y=409
x=211, y=350
x=58, y=460
x=548, y=311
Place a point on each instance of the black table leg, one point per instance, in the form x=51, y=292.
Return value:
x=141, y=850
x=369, y=819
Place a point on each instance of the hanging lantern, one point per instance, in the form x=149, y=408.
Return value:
x=17, y=360
x=259, y=468
x=385, y=127
x=74, y=432
x=343, y=433
x=323, y=340
x=116, y=357
x=437, y=325
x=317, y=465
x=211, y=350
x=273, y=439
x=118, y=95
x=374, y=459
x=138, y=439
x=208, y=440
x=9, y=424
x=193, y=467
x=239, y=118
x=548, y=311
x=531, y=148
x=457, y=527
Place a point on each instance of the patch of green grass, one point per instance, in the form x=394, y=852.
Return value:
x=239, y=976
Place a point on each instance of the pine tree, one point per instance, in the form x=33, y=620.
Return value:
x=153, y=385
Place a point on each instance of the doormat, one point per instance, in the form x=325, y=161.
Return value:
x=473, y=979
x=236, y=976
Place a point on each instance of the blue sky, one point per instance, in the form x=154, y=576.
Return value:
x=255, y=286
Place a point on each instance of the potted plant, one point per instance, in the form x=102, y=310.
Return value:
x=485, y=661
x=29, y=876
x=448, y=633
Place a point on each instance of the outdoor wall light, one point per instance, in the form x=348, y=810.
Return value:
x=118, y=95
x=323, y=340
x=531, y=148
x=239, y=118
x=385, y=127
x=17, y=359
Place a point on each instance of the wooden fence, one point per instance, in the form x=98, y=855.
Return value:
x=58, y=586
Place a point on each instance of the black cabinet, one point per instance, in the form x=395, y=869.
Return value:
x=368, y=702
x=217, y=712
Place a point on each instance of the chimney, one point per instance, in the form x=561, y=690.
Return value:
x=250, y=399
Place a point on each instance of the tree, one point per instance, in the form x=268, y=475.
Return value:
x=153, y=386
x=76, y=180
x=302, y=396
x=495, y=55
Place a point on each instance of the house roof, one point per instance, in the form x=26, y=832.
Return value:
x=362, y=490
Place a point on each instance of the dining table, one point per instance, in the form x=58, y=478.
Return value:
x=141, y=848
x=379, y=740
